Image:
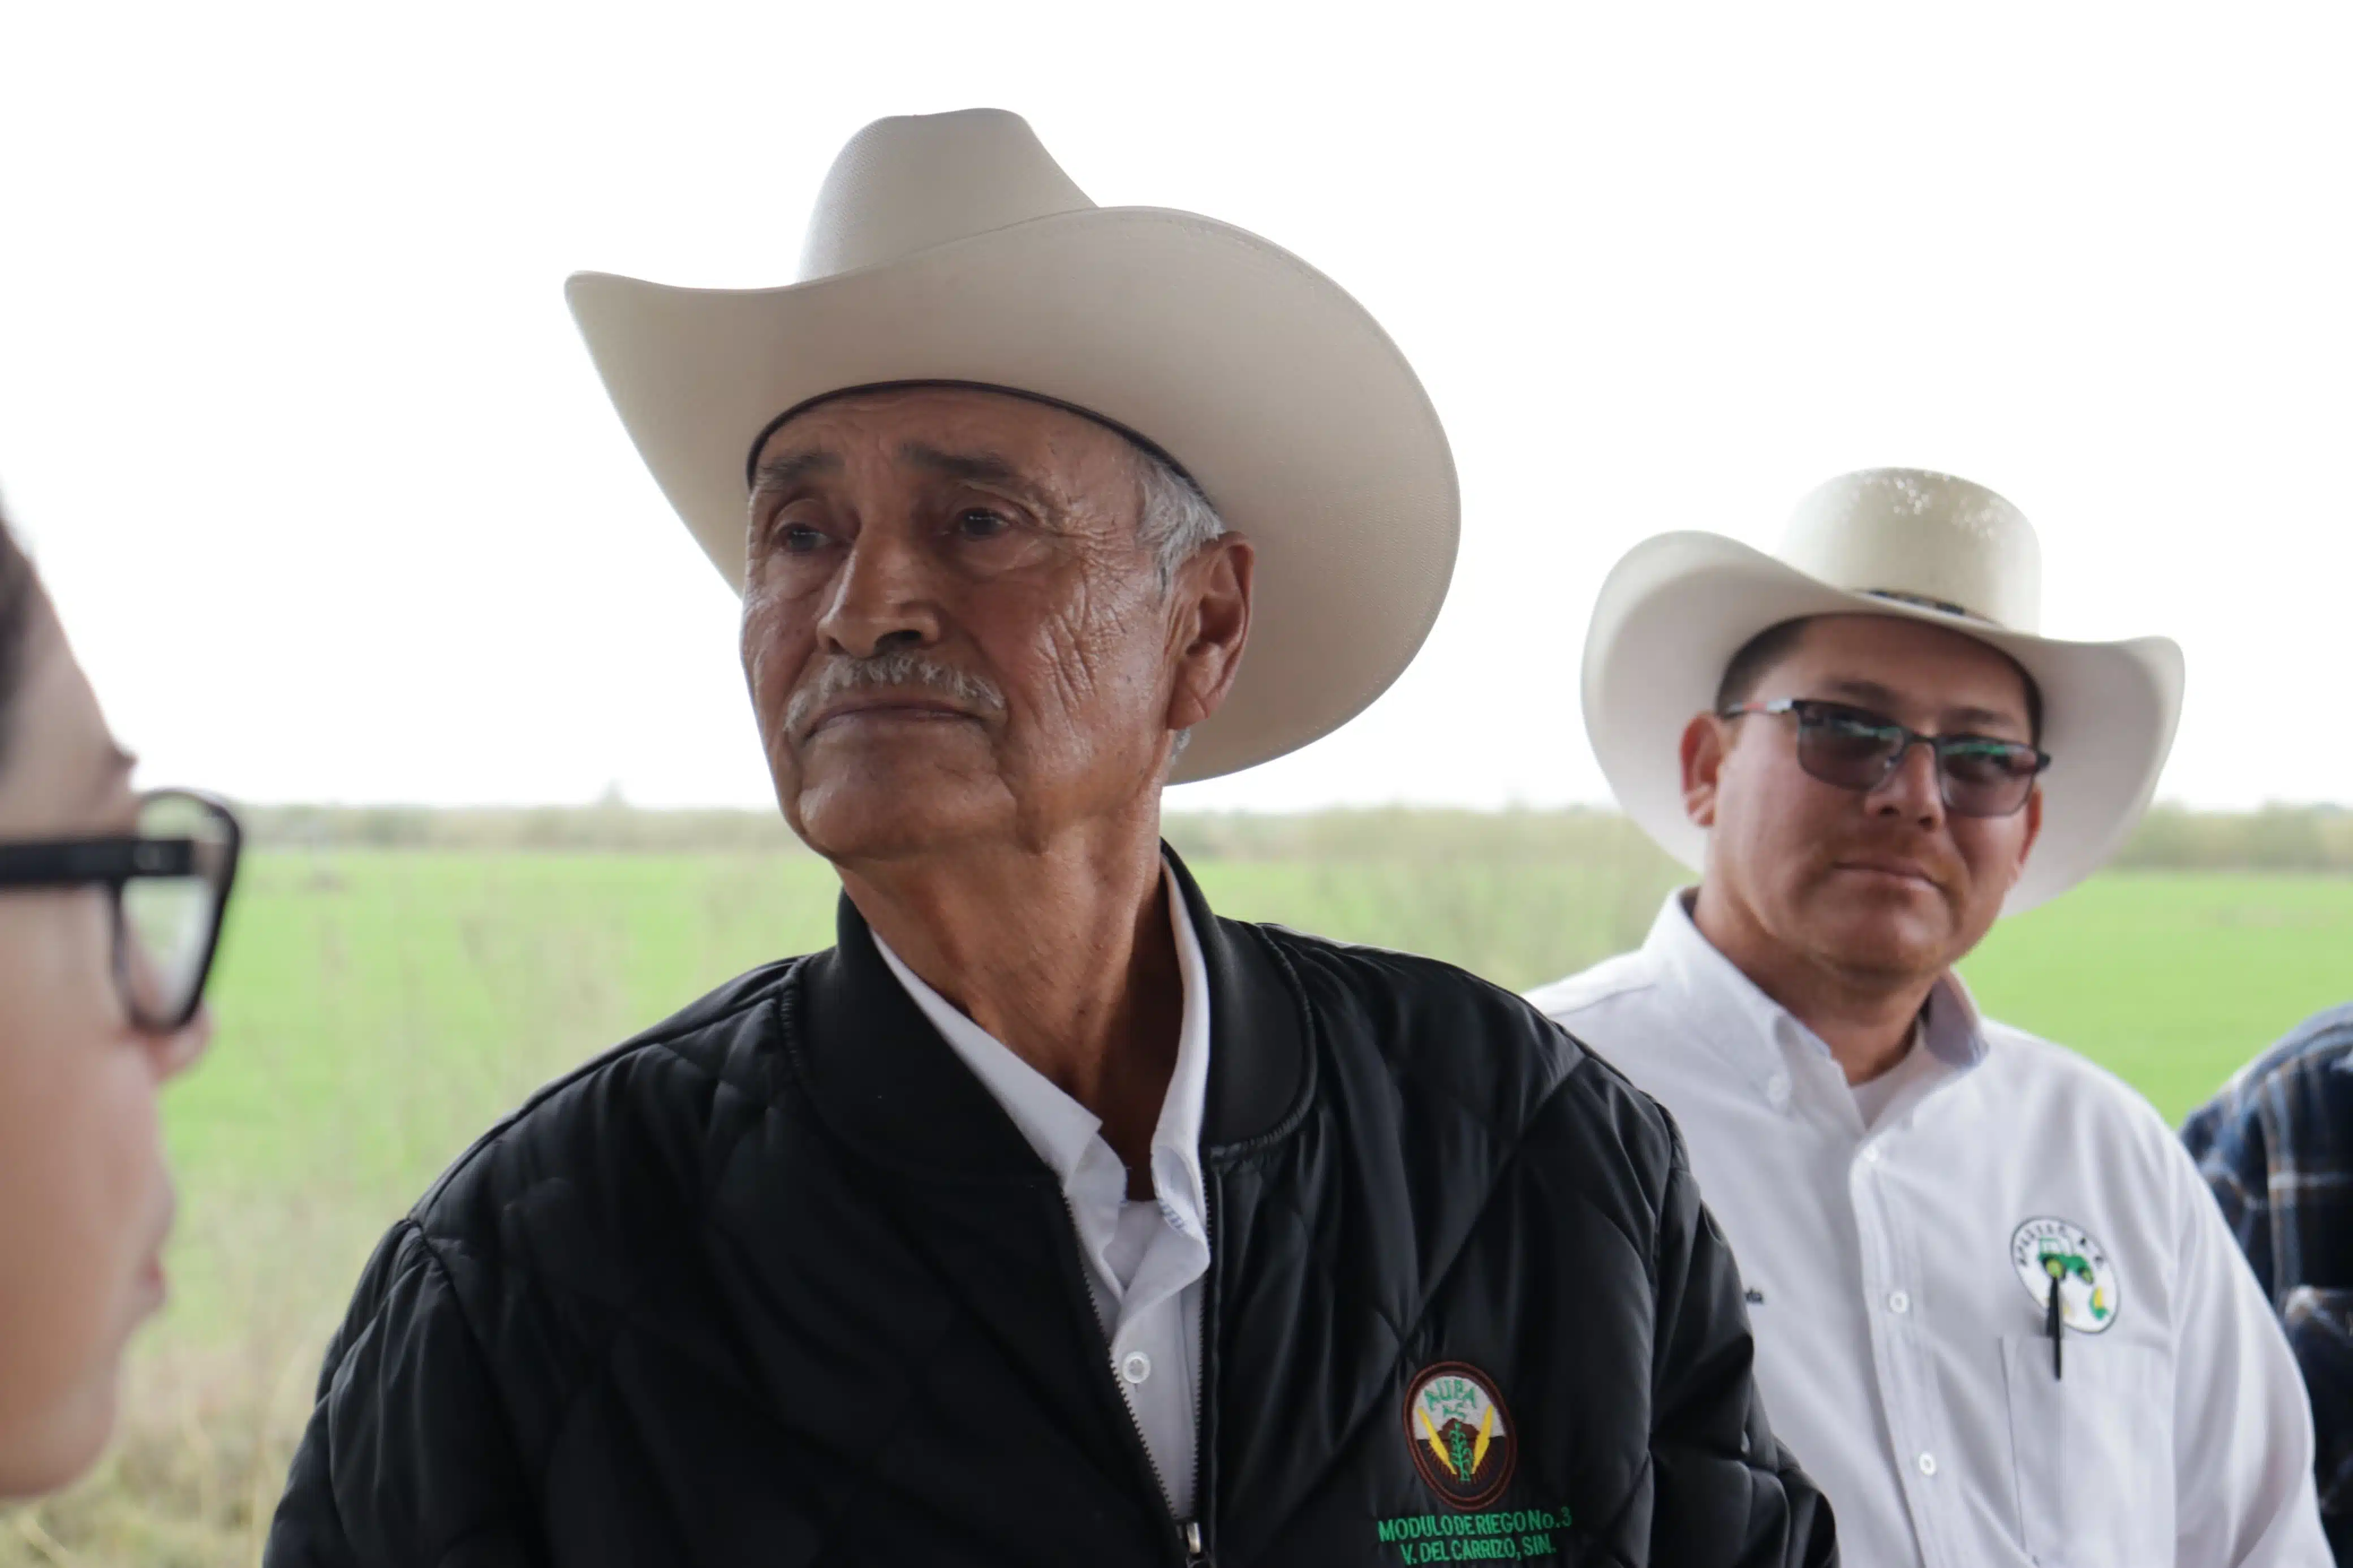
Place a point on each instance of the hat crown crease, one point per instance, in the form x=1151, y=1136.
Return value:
x=915, y=181
x=1921, y=537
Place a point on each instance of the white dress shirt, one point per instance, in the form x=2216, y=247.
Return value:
x=1873, y=1096
x=1145, y=1259
x=1902, y=1354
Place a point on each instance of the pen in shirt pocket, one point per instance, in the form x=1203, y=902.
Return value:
x=2054, y=1325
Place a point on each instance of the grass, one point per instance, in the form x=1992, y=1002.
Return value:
x=380, y=1008
x=2172, y=979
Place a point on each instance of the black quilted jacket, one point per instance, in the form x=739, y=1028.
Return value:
x=778, y=1283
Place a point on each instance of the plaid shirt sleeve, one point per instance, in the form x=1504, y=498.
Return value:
x=2276, y=1147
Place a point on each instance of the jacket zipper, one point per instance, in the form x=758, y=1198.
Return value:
x=1196, y=1553
x=1188, y=1532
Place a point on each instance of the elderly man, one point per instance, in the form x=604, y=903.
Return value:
x=1048, y=1218
x=1995, y=1308
x=2276, y=1147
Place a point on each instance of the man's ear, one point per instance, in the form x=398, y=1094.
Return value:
x=1702, y=750
x=1214, y=589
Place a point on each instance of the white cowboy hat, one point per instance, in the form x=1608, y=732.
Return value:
x=952, y=247
x=1884, y=541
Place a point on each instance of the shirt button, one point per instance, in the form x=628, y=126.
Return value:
x=1898, y=1301
x=1870, y=1153
x=1777, y=1091
x=1927, y=1464
x=1136, y=1366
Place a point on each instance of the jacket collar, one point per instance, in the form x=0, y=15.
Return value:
x=883, y=1078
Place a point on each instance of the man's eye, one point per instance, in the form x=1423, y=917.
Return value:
x=979, y=522
x=798, y=539
x=1852, y=721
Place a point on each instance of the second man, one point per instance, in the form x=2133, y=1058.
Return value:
x=1995, y=1308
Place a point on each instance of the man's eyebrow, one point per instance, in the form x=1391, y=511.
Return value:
x=1984, y=718
x=781, y=473
x=1870, y=694
x=985, y=467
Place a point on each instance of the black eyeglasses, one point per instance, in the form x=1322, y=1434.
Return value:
x=167, y=885
x=1856, y=748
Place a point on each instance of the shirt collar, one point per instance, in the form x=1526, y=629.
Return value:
x=885, y=1080
x=1178, y=1137
x=1739, y=1018
x=1059, y=1128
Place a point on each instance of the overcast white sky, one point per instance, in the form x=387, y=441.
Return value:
x=293, y=414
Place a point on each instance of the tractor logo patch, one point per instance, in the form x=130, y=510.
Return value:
x=1461, y=1439
x=2045, y=1249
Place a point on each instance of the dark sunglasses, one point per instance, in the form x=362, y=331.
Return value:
x=1856, y=748
x=167, y=885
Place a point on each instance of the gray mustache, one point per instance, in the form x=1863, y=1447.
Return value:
x=898, y=670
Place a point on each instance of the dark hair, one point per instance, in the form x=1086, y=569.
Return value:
x=1768, y=647
x=19, y=593
x=1754, y=660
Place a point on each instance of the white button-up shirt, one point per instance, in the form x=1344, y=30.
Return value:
x=1900, y=1275
x=1145, y=1259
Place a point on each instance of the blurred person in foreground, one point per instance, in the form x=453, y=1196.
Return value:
x=2276, y=1147
x=1995, y=1310
x=109, y=904
x=1048, y=1218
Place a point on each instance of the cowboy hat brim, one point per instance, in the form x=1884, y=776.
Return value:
x=1276, y=391
x=1674, y=611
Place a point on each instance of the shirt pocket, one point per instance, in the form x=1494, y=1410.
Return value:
x=2092, y=1453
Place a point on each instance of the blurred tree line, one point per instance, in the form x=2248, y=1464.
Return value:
x=2315, y=839
x=2276, y=838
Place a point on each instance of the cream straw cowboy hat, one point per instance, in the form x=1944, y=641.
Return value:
x=950, y=247
x=1884, y=541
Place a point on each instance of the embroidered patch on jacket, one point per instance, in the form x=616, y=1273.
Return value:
x=1462, y=1439
x=2045, y=1249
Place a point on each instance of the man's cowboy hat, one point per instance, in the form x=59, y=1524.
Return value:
x=1884, y=541
x=952, y=247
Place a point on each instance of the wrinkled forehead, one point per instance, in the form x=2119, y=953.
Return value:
x=1023, y=429
x=1910, y=669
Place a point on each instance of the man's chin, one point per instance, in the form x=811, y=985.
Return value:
x=1876, y=940
x=882, y=816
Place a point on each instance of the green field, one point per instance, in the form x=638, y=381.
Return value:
x=377, y=1009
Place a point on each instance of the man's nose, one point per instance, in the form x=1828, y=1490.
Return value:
x=883, y=598
x=1913, y=789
